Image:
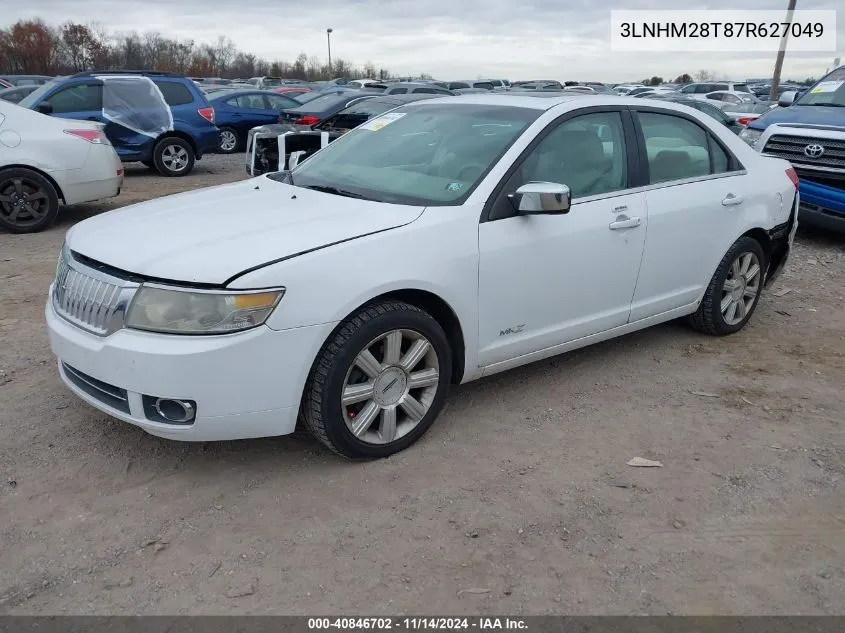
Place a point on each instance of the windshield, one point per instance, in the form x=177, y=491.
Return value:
x=830, y=91
x=34, y=97
x=431, y=154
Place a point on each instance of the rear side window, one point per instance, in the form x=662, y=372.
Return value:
x=175, y=94
x=458, y=84
x=677, y=148
x=79, y=98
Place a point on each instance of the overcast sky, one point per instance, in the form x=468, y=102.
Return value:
x=450, y=39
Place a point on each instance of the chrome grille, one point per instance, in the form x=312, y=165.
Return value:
x=89, y=299
x=792, y=149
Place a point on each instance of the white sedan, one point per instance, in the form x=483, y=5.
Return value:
x=443, y=241
x=45, y=161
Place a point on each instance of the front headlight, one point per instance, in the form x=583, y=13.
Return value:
x=750, y=136
x=173, y=311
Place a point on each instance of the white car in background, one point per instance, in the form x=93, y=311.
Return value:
x=448, y=239
x=724, y=98
x=46, y=161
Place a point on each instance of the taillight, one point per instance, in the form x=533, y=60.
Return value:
x=207, y=114
x=793, y=176
x=745, y=120
x=92, y=136
x=307, y=120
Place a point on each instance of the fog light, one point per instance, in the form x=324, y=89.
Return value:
x=170, y=410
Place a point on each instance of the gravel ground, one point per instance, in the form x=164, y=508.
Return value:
x=517, y=501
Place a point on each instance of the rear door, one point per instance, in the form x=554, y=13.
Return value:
x=696, y=193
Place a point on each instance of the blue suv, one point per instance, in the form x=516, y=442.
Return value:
x=171, y=153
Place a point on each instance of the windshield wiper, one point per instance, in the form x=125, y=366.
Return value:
x=824, y=103
x=338, y=192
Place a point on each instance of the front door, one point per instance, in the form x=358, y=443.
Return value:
x=545, y=280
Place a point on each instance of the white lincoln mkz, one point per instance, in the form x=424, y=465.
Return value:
x=446, y=240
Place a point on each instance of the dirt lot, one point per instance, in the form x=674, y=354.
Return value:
x=518, y=500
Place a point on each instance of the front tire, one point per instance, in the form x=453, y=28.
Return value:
x=734, y=290
x=173, y=156
x=229, y=140
x=379, y=382
x=28, y=201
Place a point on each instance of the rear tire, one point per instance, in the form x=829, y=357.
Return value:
x=28, y=201
x=379, y=382
x=230, y=141
x=173, y=157
x=734, y=291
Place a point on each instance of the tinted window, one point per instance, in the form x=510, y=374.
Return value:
x=252, y=101
x=688, y=89
x=741, y=88
x=677, y=148
x=398, y=91
x=483, y=84
x=458, y=84
x=175, y=94
x=79, y=98
x=711, y=110
x=720, y=87
x=279, y=103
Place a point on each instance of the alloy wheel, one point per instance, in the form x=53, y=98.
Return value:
x=23, y=201
x=390, y=386
x=740, y=290
x=174, y=158
x=228, y=141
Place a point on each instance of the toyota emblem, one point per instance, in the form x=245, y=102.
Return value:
x=813, y=151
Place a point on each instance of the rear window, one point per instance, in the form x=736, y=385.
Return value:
x=175, y=94
x=741, y=88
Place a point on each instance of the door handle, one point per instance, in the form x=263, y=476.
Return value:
x=625, y=222
x=731, y=200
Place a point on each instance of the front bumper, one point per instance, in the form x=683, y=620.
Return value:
x=245, y=385
x=822, y=206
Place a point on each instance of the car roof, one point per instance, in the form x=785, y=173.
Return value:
x=505, y=99
x=219, y=94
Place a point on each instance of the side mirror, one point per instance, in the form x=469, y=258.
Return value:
x=787, y=98
x=45, y=107
x=538, y=198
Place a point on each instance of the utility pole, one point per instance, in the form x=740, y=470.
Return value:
x=773, y=93
x=329, y=42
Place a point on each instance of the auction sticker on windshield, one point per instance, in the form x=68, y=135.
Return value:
x=827, y=86
x=384, y=120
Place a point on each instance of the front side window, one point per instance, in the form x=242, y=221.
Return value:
x=422, y=154
x=679, y=149
x=79, y=98
x=586, y=153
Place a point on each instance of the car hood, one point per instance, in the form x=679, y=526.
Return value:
x=812, y=115
x=211, y=235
